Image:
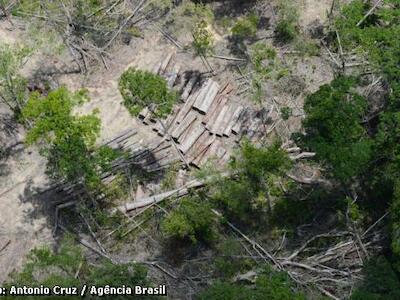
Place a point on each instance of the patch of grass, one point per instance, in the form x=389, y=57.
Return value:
x=286, y=112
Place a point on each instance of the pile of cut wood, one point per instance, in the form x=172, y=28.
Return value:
x=206, y=121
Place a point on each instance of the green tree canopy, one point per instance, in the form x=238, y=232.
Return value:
x=68, y=141
x=334, y=131
x=142, y=89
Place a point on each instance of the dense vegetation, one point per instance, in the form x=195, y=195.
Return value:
x=68, y=267
x=268, y=285
x=334, y=128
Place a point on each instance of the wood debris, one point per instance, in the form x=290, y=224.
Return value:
x=207, y=122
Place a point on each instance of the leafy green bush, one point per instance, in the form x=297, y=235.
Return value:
x=286, y=112
x=202, y=39
x=192, y=220
x=69, y=141
x=13, y=91
x=142, y=89
x=334, y=131
x=269, y=285
x=228, y=262
x=287, y=26
x=257, y=182
x=68, y=267
x=380, y=282
x=246, y=27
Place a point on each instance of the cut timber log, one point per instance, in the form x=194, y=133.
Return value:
x=173, y=75
x=189, y=119
x=214, y=151
x=202, y=92
x=212, y=117
x=217, y=125
x=192, y=137
x=186, y=108
x=189, y=87
x=237, y=127
x=197, y=161
x=186, y=132
x=225, y=121
x=203, y=104
x=225, y=158
x=144, y=113
x=156, y=68
x=165, y=63
x=140, y=203
x=148, y=119
x=200, y=147
x=226, y=89
x=233, y=121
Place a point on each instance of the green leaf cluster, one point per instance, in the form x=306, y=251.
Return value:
x=68, y=267
x=13, y=92
x=67, y=140
x=287, y=27
x=269, y=285
x=256, y=182
x=141, y=89
x=192, y=220
x=202, y=39
x=333, y=128
x=380, y=282
x=246, y=27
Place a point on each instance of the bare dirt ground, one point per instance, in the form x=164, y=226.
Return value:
x=22, y=225
x=312, y=10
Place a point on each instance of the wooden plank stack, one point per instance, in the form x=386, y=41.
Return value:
x=205, y=124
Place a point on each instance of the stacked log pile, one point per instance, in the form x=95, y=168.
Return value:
x=208, y=119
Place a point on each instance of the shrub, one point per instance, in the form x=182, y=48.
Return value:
x=269, y=285
x=334, y=131
x=202, y=39
x=192, y=220
x=287, y=26
x=246, y=27
x=380, y=281
x=12, y=84
x=257, y=181
x=141, y=89
x=286, y=112
x=68, y=267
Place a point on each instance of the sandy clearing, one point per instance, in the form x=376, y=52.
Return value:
x=311, y=10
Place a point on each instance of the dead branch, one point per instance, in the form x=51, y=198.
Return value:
x=5, y=246
x=369, y=12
